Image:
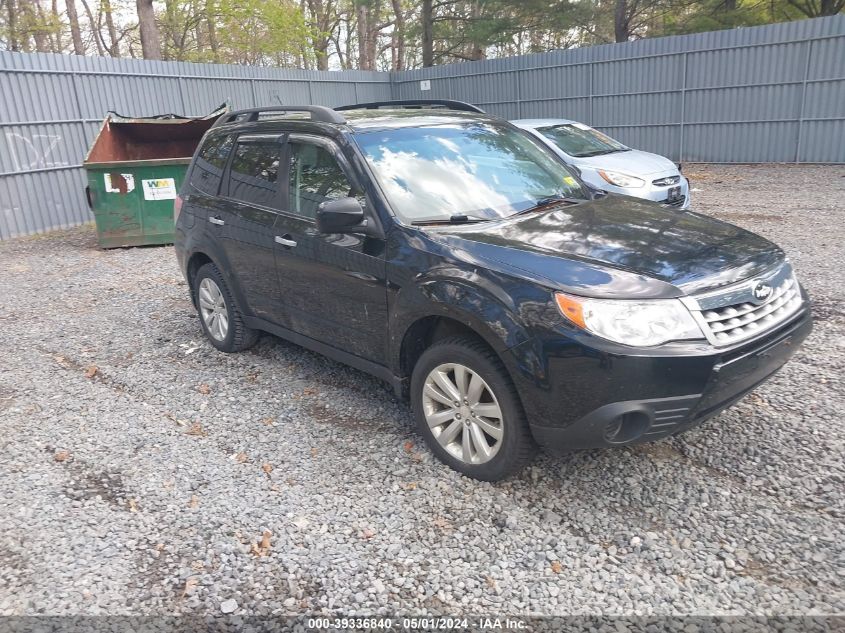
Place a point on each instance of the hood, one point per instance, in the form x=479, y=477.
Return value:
x=632, y=162
x=616, y=247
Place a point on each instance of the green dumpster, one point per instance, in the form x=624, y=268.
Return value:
x=135, y=169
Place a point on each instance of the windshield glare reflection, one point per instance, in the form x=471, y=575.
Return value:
x=478, y=169
x=581, y=141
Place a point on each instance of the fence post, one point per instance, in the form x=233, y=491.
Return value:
x=591, y=66
x=179, y=82
x=803, y=100
x=683, y=108
x=74, y=80
x=255, y=103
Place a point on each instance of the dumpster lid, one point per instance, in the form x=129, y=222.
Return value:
x=217, y=112
x=165, y=136
x=166, y=127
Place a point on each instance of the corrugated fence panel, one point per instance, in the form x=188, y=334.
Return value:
x=42, y=146
x=282, y=92
x=749, y=103
x=554, y=83
x=202, y=95
x=576, y=108
x=126, y=94
x=37, y=97
x=765, y=64
x=827, y=59
x=375, y=91
x=479, y=89
x=741, y=142
x=42, y=201
x=821, y=141
x=765, y=94
x=334, y=93
x=660, y=139
x=650, y=74
x=825, y=100
x=637, y=109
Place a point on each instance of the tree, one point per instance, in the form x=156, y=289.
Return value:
x=150, y=39
x=260, y=32
x=366, y=34
x=622, y=16
x=427, y=33
x=11, y=30
x=75, y=31
x=369, y=16
x=114, y=39
x=818, y=8
x=323, y=20
x=397, y=39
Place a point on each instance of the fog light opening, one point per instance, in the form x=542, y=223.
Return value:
x=626, y=427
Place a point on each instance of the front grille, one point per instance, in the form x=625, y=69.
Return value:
x=675, y=203
x=668, y=181
x=737, y=314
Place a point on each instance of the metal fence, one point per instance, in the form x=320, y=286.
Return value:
x=765, y=94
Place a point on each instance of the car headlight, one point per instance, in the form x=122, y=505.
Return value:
x=621, y=180
x=637, y=323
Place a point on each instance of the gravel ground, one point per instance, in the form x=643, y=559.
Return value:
x=142, y=469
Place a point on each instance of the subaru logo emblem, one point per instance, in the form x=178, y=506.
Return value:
x=762, y=290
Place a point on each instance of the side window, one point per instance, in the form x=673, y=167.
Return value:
x=315, y=177
x=253, y=177
x=210, y=162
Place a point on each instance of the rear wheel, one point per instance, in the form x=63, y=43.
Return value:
x=220, y=315
x=468, y=411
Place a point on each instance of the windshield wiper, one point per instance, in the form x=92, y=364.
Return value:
x=542, y=203
x=458, y=218
x=600, y=152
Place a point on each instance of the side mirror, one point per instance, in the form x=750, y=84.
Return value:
x=344, y=215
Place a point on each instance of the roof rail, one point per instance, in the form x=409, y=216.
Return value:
x=318, y=113
x=415, y=103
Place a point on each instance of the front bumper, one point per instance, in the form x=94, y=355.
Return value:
x=686, y=391
x=649, y=191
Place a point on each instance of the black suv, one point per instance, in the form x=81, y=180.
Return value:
x=450, y=254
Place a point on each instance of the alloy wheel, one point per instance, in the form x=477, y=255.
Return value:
x=213, y=309
x=463, y=413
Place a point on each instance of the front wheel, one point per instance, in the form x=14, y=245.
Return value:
x=468, y=411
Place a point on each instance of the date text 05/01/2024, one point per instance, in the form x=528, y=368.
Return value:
x=418, y=623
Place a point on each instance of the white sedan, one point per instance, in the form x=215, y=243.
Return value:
x=607, y=164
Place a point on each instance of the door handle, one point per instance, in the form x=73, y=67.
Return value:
x=216, y=220
x=285, y=240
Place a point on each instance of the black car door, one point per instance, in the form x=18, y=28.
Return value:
x=332, y=285
x=252, y=193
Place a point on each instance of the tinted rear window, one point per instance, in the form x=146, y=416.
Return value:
x=254, y=173
x=208, y=168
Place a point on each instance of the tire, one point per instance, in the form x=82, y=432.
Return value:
x=503, y=456
x=238, y=336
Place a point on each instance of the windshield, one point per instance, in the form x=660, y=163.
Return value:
x=478, y=169
x=579, y=140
